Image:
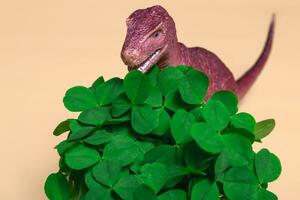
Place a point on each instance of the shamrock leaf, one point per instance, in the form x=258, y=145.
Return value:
x=137, y=86
x=267, y=166
x=205, y=189
x=79, y=98
x=57, y=187
x=181, y=124
x=144, y=119
x=81, y=157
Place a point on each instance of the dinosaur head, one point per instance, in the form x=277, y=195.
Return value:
x=150, y=36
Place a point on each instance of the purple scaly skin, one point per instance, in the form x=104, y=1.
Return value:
x=151, y=39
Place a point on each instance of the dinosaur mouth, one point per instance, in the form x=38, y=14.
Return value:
x=149, y=62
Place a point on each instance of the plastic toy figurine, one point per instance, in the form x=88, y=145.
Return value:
x=151, y=39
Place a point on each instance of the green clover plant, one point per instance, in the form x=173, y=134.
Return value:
x=155, y=136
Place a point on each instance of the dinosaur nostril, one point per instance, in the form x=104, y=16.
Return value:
x=129, y=56
x=125, y=55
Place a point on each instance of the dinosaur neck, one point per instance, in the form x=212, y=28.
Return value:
x=172, y=56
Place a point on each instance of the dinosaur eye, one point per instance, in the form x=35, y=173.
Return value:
x=156, y=34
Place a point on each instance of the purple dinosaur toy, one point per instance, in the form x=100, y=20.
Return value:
x=151, y=39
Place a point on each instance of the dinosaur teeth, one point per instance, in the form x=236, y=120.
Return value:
x=143, y=68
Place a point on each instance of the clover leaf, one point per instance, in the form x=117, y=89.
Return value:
x=196, y=157
x=216, y=114
x=264, y=128
x=205, y=189
x=193, y=87
x=81, y=132
x=263, y=194
x=56, y=187
x=155, y=98
x=168, y=79
x=144, y=119
x=144, y=192
x=164, y=120
x=99, y=81
x=153, y=75
x=175, y=194
x=94, y=116
x=161, y=153
x=120, y=105
x=156, y=136
x=81, y=157
x=229, y=99
x=237, y=149
x=181, y=124
x=99, y=137
x=62, y=127
x=243, y=121
x=79, y=98
x=126, y=186
x=154, y=175
x=110, y=90
x=240, y=182
x=137, y=86
x=91, y=182
x=123, y=149
x=207, y=138
x=267, y=166
x=99, y=194
x=173, y=101
x=107, y=172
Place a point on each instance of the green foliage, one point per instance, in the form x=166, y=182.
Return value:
x=267, y=166
x=205, y=189
x=79, y=98
x=81, y=156
x=107, y=172
x=57, y=187
x=137, y=87
x=156, y=136
x=175, y=194
x=180, y=126
x=62, y=127
x=264, y=128
x=154, y=175
x=143, y=119
x=108, y=91
x=193, y=86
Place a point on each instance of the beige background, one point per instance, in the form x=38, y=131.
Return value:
x=48, y=46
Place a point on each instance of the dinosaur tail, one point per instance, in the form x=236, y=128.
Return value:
x=246, y=81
